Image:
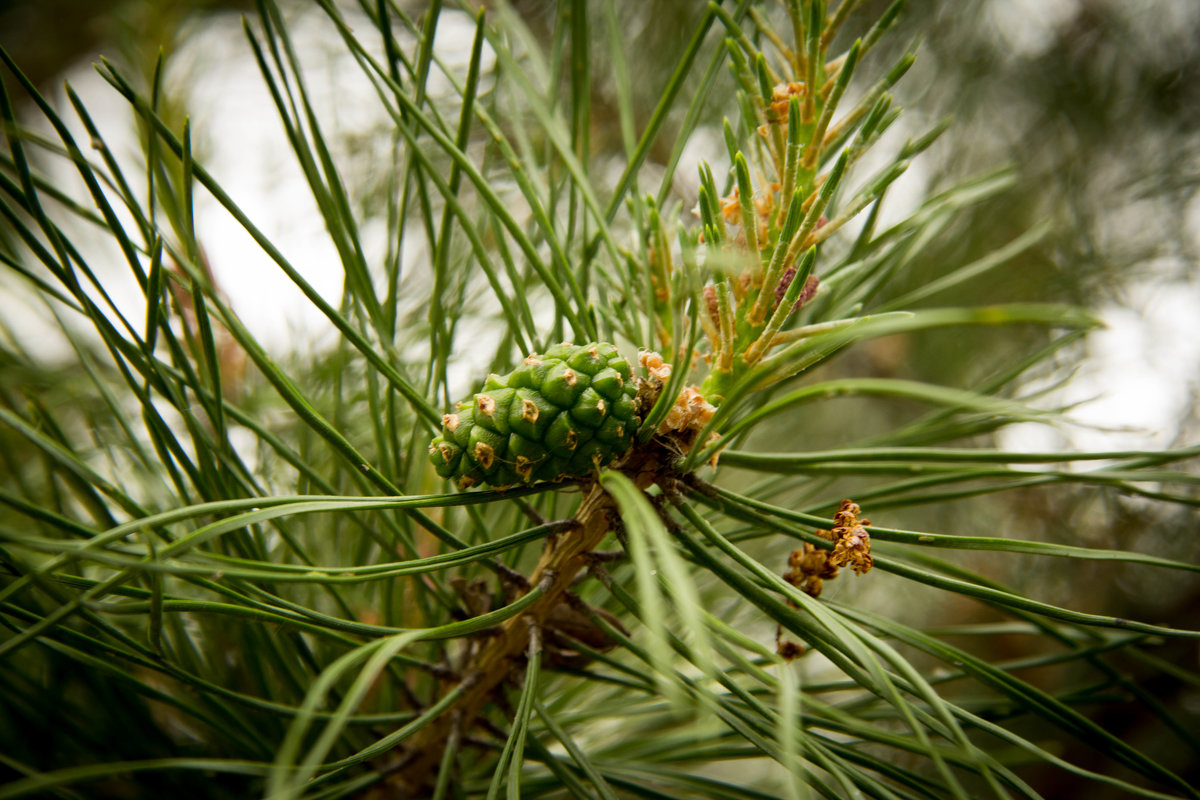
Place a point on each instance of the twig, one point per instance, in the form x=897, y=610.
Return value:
x=562, y=559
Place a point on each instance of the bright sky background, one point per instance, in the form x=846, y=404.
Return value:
x=1138, y=376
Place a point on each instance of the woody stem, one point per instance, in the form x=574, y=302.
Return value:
x=562, y=559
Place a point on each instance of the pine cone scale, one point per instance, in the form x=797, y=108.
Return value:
x=558, y=415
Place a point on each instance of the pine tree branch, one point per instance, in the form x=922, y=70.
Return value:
x=563, y=558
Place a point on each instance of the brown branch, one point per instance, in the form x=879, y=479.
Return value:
x=562, y=559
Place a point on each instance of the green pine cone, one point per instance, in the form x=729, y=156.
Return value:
x=561, y=414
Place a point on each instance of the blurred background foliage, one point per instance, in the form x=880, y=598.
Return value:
x=1095, y=104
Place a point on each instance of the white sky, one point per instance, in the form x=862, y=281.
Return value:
x=1141, y=370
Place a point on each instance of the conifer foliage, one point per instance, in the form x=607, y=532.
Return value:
x=608, y=571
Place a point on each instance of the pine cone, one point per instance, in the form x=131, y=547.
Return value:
x=561, y=414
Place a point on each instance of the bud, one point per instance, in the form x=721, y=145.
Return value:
x=808, y=292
